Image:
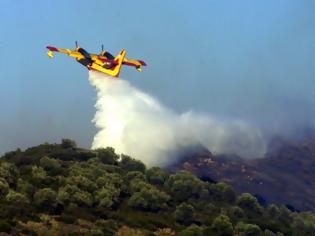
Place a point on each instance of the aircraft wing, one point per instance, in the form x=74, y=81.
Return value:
x=135, y=63
x=65, y=51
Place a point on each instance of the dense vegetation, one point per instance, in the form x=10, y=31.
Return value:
x=60, y=189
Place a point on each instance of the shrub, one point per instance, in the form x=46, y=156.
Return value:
x=72, y=194
x=134, y=175
x=149, y=198
x=156, y=175
x=222, y=226
x=9, y=172
x=185, y=214
x=39, y=175
x=126, y=231
x=248, y=202
x=107, y=195
x=107, y=155
x=192, y=230
x=130, y=164
x=165, y=232
x=235, y=213
x=4, y=187
x=222, y=192
x=17, y=198
x=68, y=143
x=267, y=232
x=51, y=165
x=45, y=198
x=184, y=185
x=244, y=229
x=5, y=226
x=68, y=219
x=136, y=185
x=25, y=187
x=82, y=183
x=273, y=211
x=109, y=179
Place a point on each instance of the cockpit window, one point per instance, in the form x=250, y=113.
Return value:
x=109, y=56
x=84, y=53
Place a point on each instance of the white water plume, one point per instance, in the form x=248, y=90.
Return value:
x=136, y=124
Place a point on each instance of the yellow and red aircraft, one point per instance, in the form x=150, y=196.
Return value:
x=103, y=62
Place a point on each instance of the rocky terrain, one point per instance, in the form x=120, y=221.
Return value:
x=285, y=176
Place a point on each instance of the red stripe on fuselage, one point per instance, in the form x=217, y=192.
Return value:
x=107, y=60
x=129, y=64
x=133, y=64
x=50, y=48
x=142, y=63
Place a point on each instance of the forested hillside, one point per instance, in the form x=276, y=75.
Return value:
x=60, y=189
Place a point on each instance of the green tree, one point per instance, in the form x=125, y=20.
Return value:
x=273, y=211
x=244, y=229
x=107, y=155
x=68, y=143
x=19, y=199
x=39, y=175
x=267, y=232
x=109, y=179
x=185, y=214
x=303, y=224
x=4, y=187
x=184, y=185
x=156, y=176
x=222, y=226
x=148, y=198
x=9, y=172
x=248, y=202
x=72, y=194
x=134, y=175
x=45, y=198
x=82, y=183
x=5, y=226
x=136, y=185
x=192, y=230
x=129, y=164
x=50, y=165
x=209, y=210
x=285, y=216
x=222, y=192
x=25, y=187
x=235, y=213
x=107, y=196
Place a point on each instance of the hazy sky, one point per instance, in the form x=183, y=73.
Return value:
x=251, y=60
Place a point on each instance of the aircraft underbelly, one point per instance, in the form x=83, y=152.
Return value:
x=85, y=61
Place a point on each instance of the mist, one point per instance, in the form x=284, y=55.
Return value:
x=137, y=124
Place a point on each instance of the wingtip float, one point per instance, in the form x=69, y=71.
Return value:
x=103, y=62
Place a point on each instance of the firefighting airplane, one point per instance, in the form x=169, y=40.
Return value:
x=103, y=62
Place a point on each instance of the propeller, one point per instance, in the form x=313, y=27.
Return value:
x=102, y=47
x=76, y=44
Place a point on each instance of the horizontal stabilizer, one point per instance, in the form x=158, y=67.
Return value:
x=142, y=63
x=50, y=54
x=53, y=49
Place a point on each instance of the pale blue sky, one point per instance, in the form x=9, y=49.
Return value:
x=245, y=59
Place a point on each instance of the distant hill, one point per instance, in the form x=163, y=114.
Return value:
x=286, y=176
x=61, y=189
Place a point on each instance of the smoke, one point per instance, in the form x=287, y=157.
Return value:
x=136, y=124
